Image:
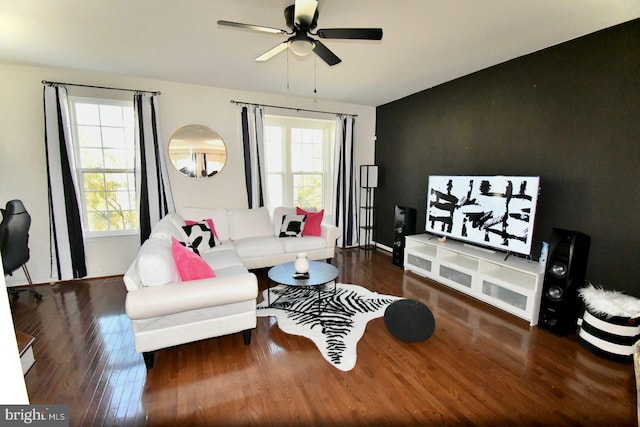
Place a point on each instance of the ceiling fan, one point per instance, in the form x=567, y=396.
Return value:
x=302, y=18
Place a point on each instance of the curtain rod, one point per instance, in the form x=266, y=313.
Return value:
x=45, y=82
x=291, y=108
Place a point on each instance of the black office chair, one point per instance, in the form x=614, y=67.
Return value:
x=14, y=242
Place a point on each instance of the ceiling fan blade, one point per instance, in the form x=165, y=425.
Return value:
x=252, y=27
x=351, y=33
x=323, y=52
x=273, y=52
x=304, y=12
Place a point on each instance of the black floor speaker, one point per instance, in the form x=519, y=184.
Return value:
x=564, y=275
x=404, y=224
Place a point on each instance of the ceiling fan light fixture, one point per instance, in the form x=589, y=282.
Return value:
x=301, y=47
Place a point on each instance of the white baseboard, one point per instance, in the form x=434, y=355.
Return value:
x=383, y=247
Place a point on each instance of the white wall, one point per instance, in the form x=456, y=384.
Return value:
x=22, y=151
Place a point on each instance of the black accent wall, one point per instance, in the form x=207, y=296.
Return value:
x=569, y=114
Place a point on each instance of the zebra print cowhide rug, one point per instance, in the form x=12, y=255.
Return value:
x=335, y=325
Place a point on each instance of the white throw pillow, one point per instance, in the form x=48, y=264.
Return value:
x=155, y=265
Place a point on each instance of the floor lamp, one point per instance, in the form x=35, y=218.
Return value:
x=368, y=181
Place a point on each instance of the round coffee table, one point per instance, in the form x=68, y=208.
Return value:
x=320, y=274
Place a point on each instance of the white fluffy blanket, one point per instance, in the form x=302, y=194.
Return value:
x=609, y=303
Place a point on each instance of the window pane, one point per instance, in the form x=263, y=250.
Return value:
x=115, y=158
x=111, y=115
x=131, y=158
x=133, y=203
x=93, y=181
x=274, y=184
x=307, y=150
x=118, y=220
x=113, y=137
x=119, y=201
x=89, y=136
x=134, y=219
x=91, y=158
x=297, y=158
x=128, y=117
x=98, y=221
x=296, y=135
x=273, y=148
x=316, y=150
x=131, y=182
x=96, y=201
x=307, y=190
x=87, y=114
x=117, y=181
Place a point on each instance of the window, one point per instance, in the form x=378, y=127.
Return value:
x=103, y=138
x=299, y=159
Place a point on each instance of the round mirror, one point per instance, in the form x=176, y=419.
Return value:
x=197, y=151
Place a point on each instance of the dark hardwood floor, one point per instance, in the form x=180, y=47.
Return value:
x=481, y=367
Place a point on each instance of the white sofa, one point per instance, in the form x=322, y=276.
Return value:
x=166, y=311
x=254, y=235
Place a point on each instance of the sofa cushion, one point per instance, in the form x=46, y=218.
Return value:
x=190, y=266
x=303, y=244
x=292, y=225
x=259, y=246
x=313, y=224
x=200, y=236
x=155, y=264
x=219, y=216
x=245, y=223
x=223, y=258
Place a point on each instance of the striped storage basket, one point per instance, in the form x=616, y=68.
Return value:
x=610, y=324
x=611, y=337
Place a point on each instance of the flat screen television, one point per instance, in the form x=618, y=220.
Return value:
x=491, y=211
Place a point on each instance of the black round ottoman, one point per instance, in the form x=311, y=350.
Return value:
x=409, y=320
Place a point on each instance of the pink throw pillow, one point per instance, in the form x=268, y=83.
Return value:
x=190, y=266
x=312, y=224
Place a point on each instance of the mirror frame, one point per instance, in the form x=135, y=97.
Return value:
x=189, y=147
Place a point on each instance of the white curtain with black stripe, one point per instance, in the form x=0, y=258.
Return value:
x=252, y=121
x=152, y=179
x=344, y=195
x=68, y=259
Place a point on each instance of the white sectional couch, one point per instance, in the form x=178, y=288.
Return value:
x=166, y=311
x=254, y=235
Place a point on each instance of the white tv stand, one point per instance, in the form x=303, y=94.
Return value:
x=513, y=285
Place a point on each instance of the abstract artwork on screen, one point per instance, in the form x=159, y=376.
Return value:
x=494, y=211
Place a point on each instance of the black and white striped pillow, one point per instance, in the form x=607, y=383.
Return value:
x=292, y=225
x=200, y=236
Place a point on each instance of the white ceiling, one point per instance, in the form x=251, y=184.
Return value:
x=425, y=42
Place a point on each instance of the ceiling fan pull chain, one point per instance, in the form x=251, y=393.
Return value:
x=315, y=74
x=287, y=69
